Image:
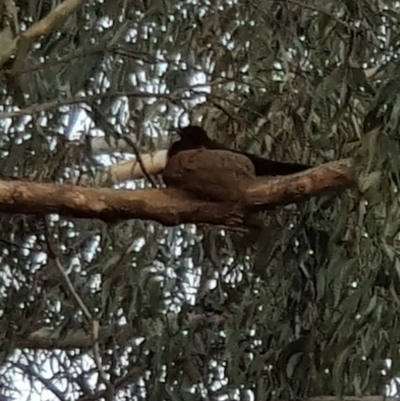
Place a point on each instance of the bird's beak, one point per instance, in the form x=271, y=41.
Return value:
x=175, y=137
x=175, y=131
x=175, y=134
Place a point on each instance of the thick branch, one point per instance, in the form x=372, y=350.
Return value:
x=53, y=20
x=128, y=170
x=168, y=206
x=296, y=187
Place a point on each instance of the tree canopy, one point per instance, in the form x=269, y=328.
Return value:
x=304, y=305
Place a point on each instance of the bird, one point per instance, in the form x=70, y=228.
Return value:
x=210, y=174
x=195, y=137
x=208, y=170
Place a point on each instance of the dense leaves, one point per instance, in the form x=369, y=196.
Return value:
x=306, y=305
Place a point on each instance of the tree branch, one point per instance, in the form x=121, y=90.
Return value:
x=43, y=27
x=297, y=187
x=131, y=169
x=169, y=206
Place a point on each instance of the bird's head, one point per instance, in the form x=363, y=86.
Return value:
x=194, y=134
x=192, y=131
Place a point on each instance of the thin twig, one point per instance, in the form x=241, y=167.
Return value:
x=40, y=107
x=67, y=280
x=312, y=8
x=47, y=383
x=108, y=127
x=94, y=329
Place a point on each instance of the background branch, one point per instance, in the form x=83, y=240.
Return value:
x=43, y=27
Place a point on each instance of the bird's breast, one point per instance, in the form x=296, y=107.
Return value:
x=214, y=175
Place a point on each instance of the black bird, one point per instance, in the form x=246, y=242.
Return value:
x=195, y=137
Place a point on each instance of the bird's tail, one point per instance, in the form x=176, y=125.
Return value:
x=265, y=167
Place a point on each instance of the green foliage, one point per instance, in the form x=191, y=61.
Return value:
x=307, y=305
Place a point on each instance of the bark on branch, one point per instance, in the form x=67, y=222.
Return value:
x=168, y=206
x=297, y=187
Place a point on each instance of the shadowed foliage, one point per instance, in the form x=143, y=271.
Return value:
x=304, y=305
